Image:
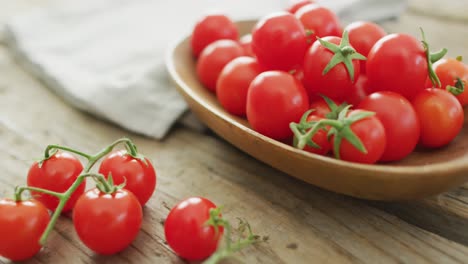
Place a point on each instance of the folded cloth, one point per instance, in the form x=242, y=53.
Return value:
x=106, y=57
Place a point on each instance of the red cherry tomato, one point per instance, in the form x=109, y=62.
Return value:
x=139, y=178
x=21, y=226
x=441, y=117
x=211, y=28
x=296, y=5
x=359, y=91
x=363, y=36
x=213, y=59
x=107, y=223
x=318, y=21
x=186, y=230
x=279, y=42
x=246, y=43
x=371, y=132
x=397, y=63
x=336, y=84
x=448, y=70
x=320, y=138
x=400, y=121
x=274, y=100
x=56, y=174
x=233, y=84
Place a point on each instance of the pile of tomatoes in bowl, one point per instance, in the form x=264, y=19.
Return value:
x=354, y=92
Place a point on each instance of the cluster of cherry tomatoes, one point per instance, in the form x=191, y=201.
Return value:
x=357, y=92
x=107, y=218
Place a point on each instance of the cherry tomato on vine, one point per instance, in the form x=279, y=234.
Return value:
x=401, y=123
x=246, y=43
x=21, y=226
x=211, y=28
x=56, y=174
x=362, y=36
x=296, y=5
x=233, y=84
x=107, y=223
x=337, y=83
x=441, y=117
x=320, y=138
x=186, y=230
x=318, y=21
x=213, y=59
x=371, y=132
x=279, y=42
x=448, y=70
x=397, y=63
x=139, y=178
x=274, y=100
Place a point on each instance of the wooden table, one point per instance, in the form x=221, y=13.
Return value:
x=304, y=224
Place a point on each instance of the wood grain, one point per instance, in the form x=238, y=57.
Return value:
x=325, y=227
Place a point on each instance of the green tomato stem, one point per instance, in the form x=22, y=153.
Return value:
x=50, y=148
x=19, y=191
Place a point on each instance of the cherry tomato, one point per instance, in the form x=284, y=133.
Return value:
x=279, y=42
x=362, y=36
x=139, y=178
x=371, y=132
x=448, y=70
x=233, y=84
x=296, y=5
x=21, y=226
x=186, y=230
x=56, y=174
x=359, y=91
x=336, y=84
x=246, y=43
x=274, y=100
x=320, y=138
x=400, y=121
x=107, y=223
x=397, y=63
x=211, y=28
x=213, y=59
x=318, y=21
x=441, y=117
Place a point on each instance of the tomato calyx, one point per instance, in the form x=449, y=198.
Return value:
x=245, y=236
x=344, y=53
x=458, y=88
x=431, y=59
x=108, y=186
x=132, y=150
x=340, y=129
x=334, y=108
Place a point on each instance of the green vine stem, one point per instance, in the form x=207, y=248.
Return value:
x=216, y=220
x=431, y=59
x=106, y=185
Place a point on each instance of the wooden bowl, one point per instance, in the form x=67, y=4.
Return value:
x=422, y=174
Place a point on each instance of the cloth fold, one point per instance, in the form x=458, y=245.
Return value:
x=106, y=57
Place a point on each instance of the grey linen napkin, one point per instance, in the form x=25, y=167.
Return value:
x=106, y=57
